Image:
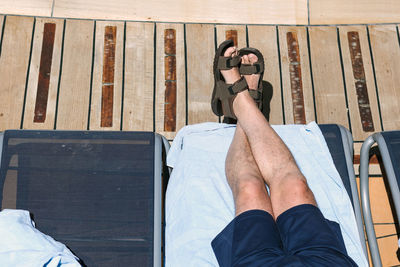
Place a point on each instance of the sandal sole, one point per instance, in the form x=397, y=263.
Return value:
x=216, y=104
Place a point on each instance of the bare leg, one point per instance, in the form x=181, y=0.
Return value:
x=243, y=175
x=288, y=186
x=244, y=178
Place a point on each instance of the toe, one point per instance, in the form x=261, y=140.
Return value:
x=252, y=58
x=231, y=51
x=245, y=59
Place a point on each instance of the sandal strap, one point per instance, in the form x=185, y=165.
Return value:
x=247, y=69
x=230, y=90
x=256, y=95
x=239, y=86
x=227, y=63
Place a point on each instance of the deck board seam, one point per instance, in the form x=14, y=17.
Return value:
x=2, y=33
x=186, y=75
x=27, y=74
x=344, y=78
x=60, y=73
x=280, y=74
x=52, y=7
x=375, y=80
x=209, y=23
x=123, y=79
x=154, y=76
x=91, y=75
x=311, y=74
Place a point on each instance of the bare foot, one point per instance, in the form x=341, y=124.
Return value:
x=252, y=80
x=232, y=75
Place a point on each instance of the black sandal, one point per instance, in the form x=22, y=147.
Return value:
x=255, y=68
x=224, y=94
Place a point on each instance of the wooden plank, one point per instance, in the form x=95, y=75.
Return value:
x=170, y=114
x=1, y=26
x=46, y=57
x=384, y=230
x=264, y=39
x=200, y=55
x=138, y=112
x=353, y=12
x=296, y=84
x=360, y=85
x=374, y=167
x=235, y=32
x=105, y=110
x=388, y=249
x=381, y=210
x=327, y=75
x=387, y=246
x=74, y=92
x=206, y=11
x=170, y=80
x=386, y=54
x=380, y=205
x=27, y=7
x=387, y=243
x=41, y=96
x=296, y=77
x=14, y=60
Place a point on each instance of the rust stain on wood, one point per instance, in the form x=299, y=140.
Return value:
x=360, y=83
x=170, y=41
x=170, y=106
x=107, y=98
x=296, y=83
x=232, y=35
x=46, y=57
x=170, y=80
x=170, y=68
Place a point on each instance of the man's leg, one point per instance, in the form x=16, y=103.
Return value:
x=243, y=175
x=288, y=186
x=244, y=178
x=253, y=238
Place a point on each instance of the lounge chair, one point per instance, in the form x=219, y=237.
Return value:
x=203, y=143
x=100, y=193
x=389, y=148
x=340, y=144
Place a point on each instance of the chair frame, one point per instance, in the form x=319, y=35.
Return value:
x=364, y=189
x=160, y=144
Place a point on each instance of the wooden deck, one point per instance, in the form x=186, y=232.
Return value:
x=142, y=76
x=311, y=12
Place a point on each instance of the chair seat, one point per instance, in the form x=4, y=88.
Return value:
x=92, y=191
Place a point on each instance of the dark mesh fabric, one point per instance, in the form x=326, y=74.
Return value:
x=92, y=191
x=392, y=140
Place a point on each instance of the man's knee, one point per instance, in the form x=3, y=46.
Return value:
x=251, y=185
x=292, y=191
x=294, y=183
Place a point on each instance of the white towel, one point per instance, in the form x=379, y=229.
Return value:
x=199, y=202
x=21, y=244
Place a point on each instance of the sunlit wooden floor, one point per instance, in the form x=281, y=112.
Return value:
x=134, y=76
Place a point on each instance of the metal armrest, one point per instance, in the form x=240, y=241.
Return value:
x=364, y=188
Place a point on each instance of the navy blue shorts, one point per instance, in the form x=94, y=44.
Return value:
x=301, y=236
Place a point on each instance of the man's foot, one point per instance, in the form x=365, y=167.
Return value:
x=252, y=82
x=232, y=75
x=253, y=79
